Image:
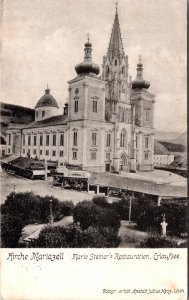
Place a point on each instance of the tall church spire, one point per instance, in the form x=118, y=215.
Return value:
x=115, y=46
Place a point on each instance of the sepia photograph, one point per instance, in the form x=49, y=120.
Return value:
x=94, y=130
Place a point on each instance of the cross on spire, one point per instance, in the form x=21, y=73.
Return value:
x=88, y=36
x=116, y=6
x=115, y=45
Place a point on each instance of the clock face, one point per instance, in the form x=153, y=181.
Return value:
x=76, y=91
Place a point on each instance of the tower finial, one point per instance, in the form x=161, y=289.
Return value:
x=88, y=36
x=116, y=6
x=140, y=59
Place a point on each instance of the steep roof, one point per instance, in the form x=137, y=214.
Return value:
x=115, y=45
x=52, y=121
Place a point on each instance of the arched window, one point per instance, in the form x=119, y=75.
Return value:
x=123, y=139
x=107, y=70
x=123, y=70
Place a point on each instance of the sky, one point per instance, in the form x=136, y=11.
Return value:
x=43, y=40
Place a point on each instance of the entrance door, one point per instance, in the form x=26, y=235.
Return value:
x=107, y=167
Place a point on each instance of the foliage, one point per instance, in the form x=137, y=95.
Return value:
x=101, y=201
x=21, y=209
x=74, y=237
x=11, y=229
x=122, y=208
x=158, y=241
x=150, y=216
x=89, y=214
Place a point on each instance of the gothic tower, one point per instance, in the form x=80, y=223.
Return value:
x=117, y=97
x=115, y=72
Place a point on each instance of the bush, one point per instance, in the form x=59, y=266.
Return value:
x=158, y=241
x=21, y=209
x=176, y=217
x=73, y=237
x=101, y=201
x=89, y=214
x=11, y=230
x=122, y=208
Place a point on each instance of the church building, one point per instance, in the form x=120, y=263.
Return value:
x=107, y=123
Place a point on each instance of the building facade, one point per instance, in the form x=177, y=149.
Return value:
x=107, y=124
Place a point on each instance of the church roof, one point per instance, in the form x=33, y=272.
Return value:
x=115, y=45
x=52, y=121
x=47, y=100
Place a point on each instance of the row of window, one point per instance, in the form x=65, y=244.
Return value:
x=94, y=106
x=47, y=152
x=43, y=139
x=42, y=113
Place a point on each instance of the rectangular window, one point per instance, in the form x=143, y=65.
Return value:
x=75, y=138
x=54, y=139
x=74, y=155
x=147, y=115
x=34, y=152
x=41, y=140
x=93, y=138
x=28, y=151
x=22, y=151
x=61, y=153
x=76, y=106
x=47, y=152
x=35, y=140
x=47, y=140
x=43, y=113
x=9, y=150
x=41, y=152
x=94, y=106
x=108, y=140
x=146, y=142
x=136, y=141
x=54, y=153
x=62, y=139
x=29, y=140
x=24, y=140
x=146, y=155
x=108, y=156
x=93, y=155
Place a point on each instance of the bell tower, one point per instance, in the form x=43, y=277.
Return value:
x=115, y=72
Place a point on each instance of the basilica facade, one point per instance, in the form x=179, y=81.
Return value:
x=107, y=123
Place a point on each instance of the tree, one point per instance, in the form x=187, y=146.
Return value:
x=89, y=214
x=11, y=230
x=21, y=209
x=74, y=237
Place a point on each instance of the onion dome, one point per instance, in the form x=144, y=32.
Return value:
x=87, y=66
x=139, y=82
x=47, y=100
